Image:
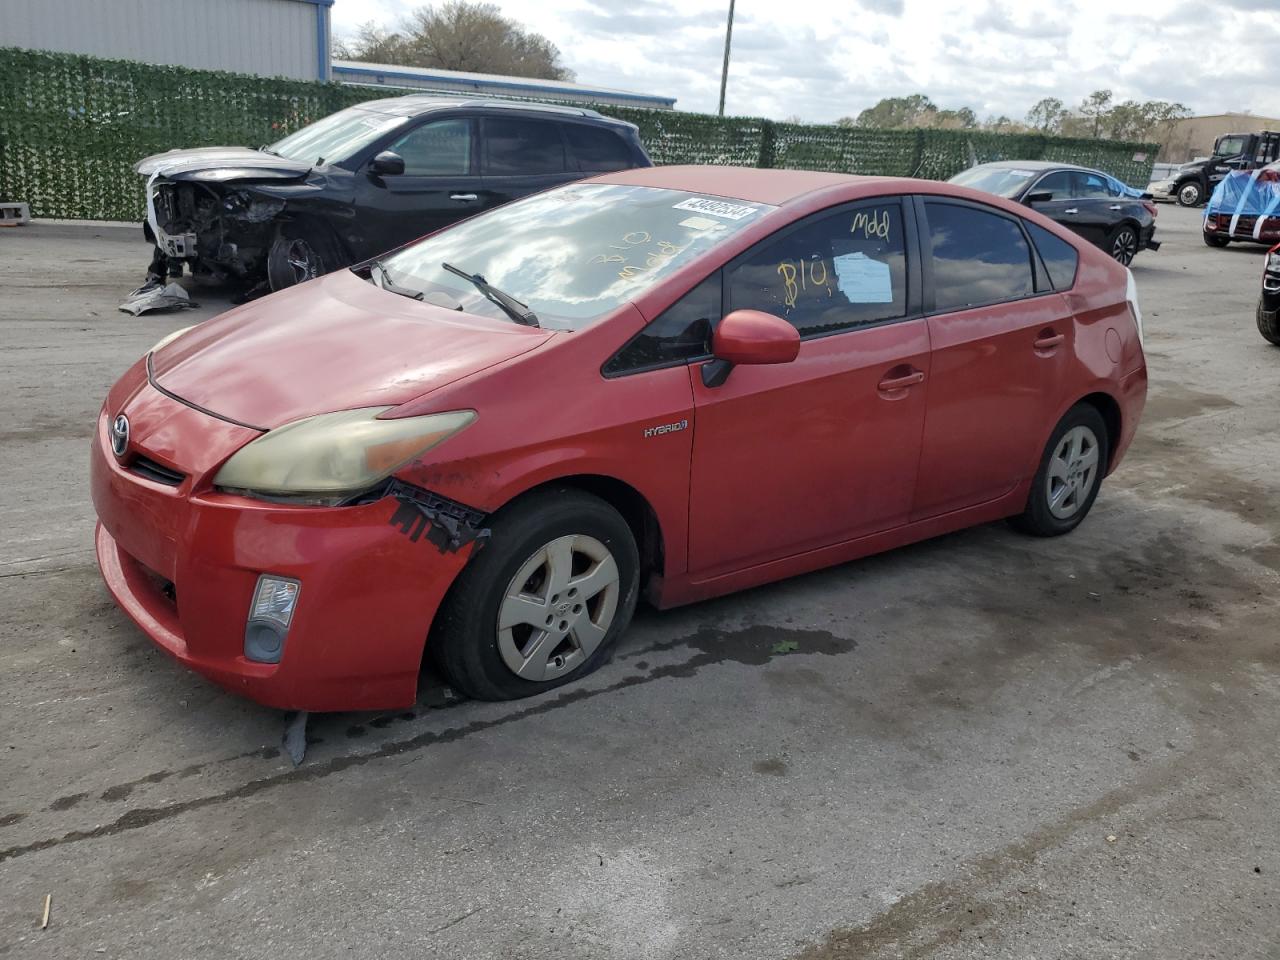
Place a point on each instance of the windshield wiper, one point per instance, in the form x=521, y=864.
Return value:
x=513, y=308
x=391, y=286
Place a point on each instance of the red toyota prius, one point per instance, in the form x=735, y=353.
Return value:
x=677, y=381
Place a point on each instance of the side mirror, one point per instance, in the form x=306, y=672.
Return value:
x=387, y=164
x=749, y=337
x=1040, y=196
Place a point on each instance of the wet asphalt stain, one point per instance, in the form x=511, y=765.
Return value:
x=751, y=646
x=771, y=767
x=67, y=802
x=9, y=819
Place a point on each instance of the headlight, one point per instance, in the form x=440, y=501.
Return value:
x=1273, y=261
x=165, y=341
x=335, y=453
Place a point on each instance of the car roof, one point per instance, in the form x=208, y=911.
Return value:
x=1036, y=165
x=417, y=103
x=754, y=184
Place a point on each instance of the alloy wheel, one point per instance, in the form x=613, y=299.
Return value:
x=1073, y=470
x=558, y=607
x=302, y=260
x=1125, y=246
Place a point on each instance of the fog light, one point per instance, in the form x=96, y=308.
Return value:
x=270, y=614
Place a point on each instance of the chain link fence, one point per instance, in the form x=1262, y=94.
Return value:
x=72, y=127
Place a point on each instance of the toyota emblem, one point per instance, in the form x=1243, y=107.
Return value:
x=120, y=435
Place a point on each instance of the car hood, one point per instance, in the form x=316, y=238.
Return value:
x=221, y=163
x=335, y=343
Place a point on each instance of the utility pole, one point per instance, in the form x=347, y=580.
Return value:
x=724, y=74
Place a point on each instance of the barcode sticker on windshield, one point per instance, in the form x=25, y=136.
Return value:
x=716, y=208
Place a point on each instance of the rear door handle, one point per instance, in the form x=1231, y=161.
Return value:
x=890, y=384
x=1116, y=206
x=465, y=197
x=1072, y=211
x=1049, y=342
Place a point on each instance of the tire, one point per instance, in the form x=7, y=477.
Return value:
x=1122, y=244
x=1048, y=513
x=1213, y=240
x=1190, y=194
x=1269, y=328
x=554, y=634
x=298, y=255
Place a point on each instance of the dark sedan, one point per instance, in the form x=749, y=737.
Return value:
x=363, y=181
x=1110, y=215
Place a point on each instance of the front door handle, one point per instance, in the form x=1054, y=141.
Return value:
x=1048, y=341
x=464, y=197
x=893, y=384
x=1115, y=206
x=1072, y=211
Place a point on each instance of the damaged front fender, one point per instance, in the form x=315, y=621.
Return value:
x=448, y=525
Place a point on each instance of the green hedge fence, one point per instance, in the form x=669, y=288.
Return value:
x=72, y=127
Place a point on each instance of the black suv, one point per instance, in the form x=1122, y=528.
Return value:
x=363, y=181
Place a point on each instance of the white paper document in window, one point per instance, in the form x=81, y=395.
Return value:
x=862, y=279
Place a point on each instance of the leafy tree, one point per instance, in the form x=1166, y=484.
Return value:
x=1047, y=115
x=459, y=35
x=1093, y=110
x=897, y=112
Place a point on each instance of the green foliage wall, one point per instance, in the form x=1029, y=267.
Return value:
x=72, y=127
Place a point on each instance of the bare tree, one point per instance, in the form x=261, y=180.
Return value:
x=459, y=35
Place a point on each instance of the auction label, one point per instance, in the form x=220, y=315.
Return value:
x=716, y=208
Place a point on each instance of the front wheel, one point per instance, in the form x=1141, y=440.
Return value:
x=1123, y=244
x=1269, y=324
x=296, y=257
x=1190, y=195
x=1069, y=476
x=543, y=602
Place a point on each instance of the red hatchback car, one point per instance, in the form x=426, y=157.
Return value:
x=680, y=381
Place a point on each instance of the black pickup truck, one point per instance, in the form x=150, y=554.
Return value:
x=1192, y=183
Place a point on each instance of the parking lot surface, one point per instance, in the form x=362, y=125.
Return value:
x=980, y=746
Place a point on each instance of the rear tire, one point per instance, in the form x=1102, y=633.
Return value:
x=1190, y=195
x=1213, y=240
x=545, y=600
x=1122, y=244
x=1070, y=474
x=1269, y=328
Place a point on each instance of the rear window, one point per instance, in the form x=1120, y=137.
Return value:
x=597, y=149
x=1060, y=258
x=574, y=253
x=978, y=257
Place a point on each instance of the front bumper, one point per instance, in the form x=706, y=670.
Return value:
x=1161, y=190
x=1246, y=227
x=183, y=560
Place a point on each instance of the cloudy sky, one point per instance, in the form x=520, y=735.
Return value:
x=823, y=60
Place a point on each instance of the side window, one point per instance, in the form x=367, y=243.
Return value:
x=596, y=149
x=681, y=333
x=1058, y=184
x=844, y=270
x=1060, y=258
x=1090, y=186
x=439, y=149
x=515, y=147
x=978, y=257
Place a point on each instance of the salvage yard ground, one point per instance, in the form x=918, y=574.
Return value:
x=981, y=746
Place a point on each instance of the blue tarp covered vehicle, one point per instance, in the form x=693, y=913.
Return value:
x=1245, y=206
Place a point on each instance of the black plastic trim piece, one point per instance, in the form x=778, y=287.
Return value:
x=449, y=525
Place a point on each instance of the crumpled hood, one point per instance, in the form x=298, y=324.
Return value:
x=336, y=343
x=221, y=163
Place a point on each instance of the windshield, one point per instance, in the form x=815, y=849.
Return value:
x=1002, y=181
x=336, y=137
x=1230, y=146
x=572, y=254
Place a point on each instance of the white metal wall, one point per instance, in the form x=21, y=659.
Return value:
x=266, y=37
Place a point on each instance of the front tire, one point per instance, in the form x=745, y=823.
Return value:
x=1122, y=244
x=297, y=256
x=1269, y=327
x=1190, y=195
x=545, y=600
x=1070, y=474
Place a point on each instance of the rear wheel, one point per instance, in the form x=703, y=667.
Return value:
x=1213, y=240
x=545, y=600
x=1190, y=195
x=1122, y=244
x=1269, y=324
x=1069, y=476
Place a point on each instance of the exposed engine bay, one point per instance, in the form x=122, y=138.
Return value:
x=222, y=232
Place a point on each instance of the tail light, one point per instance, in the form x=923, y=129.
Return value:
x=1131, y=297
x=1151, y=208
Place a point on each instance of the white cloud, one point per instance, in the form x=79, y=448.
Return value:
x=831, y=58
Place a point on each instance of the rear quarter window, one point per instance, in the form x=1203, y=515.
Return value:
x=596, y=149
x=979, y=258
x=1060, y=258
